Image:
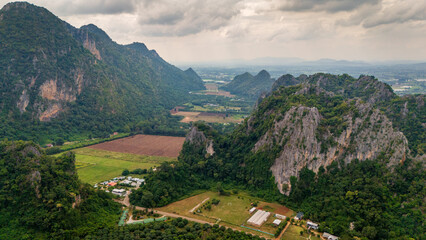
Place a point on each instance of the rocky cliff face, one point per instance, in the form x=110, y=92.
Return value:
x=366, y=137
x=307, y=138
x=199, y=139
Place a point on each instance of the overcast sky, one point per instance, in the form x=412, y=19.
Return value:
x=212, y=30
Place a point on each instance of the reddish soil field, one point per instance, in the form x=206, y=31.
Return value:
x=220, y=93
x=149, y=145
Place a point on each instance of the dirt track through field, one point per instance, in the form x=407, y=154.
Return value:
x=150, y=145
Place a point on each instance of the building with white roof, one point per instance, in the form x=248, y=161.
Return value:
x=259, y=218
x=252, y=210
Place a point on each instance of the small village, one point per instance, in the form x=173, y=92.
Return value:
x=119, y=185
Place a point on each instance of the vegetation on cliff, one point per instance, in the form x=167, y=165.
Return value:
x=63, y=82
x=250, y=86
x=389, y=181
x=41, y=196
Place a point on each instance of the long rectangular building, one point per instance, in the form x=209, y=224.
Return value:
x=259, y=218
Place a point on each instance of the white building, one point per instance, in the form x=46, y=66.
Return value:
x=279, y=216
x=312, y=225
x=252, y=210
x=259, y=218
x=119, y=192
x=277, y=222
x=126, y=182
x=328, y=236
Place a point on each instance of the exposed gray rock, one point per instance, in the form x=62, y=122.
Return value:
x=198, y=138
x=364, y=137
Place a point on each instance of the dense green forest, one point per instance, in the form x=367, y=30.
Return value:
x=380, y=203
x=174, y=229
x=42, y=198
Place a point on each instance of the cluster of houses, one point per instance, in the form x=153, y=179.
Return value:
x=312, y=225
x=260, y=217
x=128, y=181
x=121, y=181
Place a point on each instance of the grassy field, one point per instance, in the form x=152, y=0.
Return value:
x=293, y=233
x=232, y=210
x=94, y=165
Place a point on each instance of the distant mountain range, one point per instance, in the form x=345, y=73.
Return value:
x=283, y=61
x=57, y=78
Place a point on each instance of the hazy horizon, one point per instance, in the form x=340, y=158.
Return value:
x=212, y=31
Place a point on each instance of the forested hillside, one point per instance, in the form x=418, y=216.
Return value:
x=250, y=86
x=59, y=81
x=329, y=144
x=42, y=198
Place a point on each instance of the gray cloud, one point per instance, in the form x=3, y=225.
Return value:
x=87, y=7
x=331, y=6
x=180, y=18
x=400, y=12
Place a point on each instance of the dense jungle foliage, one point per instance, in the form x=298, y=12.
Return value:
x=379, y=202
x=174, y=229
x=42, y=198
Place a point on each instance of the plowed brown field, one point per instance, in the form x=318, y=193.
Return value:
x=150, y=145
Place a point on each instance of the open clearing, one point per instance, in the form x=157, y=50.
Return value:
x=149, y=145
x=209, y=117
x=232, y=210
x=293, y=233
x=94, y=165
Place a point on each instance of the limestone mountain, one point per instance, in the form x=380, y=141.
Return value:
x=250, y=86
x=53, y=74
x=325, y=119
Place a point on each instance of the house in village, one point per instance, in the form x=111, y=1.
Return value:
x=312, y=225
x=328, y=236
x=276, y=222
x=252, y=210
x=299, y=216
x=279, y=216
x=119, y=192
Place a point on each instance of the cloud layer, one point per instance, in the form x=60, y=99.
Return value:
x=202, y=30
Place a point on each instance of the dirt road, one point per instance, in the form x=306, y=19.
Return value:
x=172, y=215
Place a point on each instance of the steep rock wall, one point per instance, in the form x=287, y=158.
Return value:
x=365, y=137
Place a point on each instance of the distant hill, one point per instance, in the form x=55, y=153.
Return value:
x=250, y=86
x=193, y=75
x=60, y=80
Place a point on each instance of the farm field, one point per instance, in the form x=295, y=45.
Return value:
x=232, y=210
x=149, y=145
x=293, y=233
x=94, y=165
x=211, y=87
x=209, y=117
